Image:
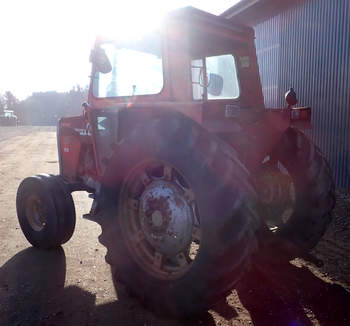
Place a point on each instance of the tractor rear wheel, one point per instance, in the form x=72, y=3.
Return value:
x=180, y=228
x=296, y=190
x=45, y=211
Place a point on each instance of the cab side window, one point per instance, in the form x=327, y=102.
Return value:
x=215, y=77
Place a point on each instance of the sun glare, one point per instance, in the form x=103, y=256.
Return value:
x=122, y=21
x=45, y=44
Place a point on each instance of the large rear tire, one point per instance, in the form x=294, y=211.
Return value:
x=313, y=191
x=45, y=211
x=161, y=167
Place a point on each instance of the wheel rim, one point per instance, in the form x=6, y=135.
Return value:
x=35, y=213
x=277, y=195
x=160, y=220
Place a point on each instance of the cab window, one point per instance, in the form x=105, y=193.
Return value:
x=214, y=77
x=136, y=68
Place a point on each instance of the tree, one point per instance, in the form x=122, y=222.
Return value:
x=10, y=101
x=45, y=108
x=22, y=112
x=74, y=99
x=2, y=104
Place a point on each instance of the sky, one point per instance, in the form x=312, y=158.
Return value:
x=45, y=44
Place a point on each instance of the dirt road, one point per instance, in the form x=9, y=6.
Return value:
x=72, y=285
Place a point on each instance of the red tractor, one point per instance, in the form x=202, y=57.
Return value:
x=184, y=163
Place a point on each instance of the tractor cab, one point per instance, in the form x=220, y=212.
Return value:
x=198, y=59
x=194, y=63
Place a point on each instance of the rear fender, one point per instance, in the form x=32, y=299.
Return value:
x=256, y=140
x=126, y=121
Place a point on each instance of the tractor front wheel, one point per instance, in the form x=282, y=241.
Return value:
x=45, y=211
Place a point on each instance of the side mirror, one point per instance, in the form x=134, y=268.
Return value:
x=100, y=59
x=215, y=84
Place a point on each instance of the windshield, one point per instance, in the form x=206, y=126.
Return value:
x=137, y=68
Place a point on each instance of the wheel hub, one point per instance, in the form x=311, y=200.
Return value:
x=166, y=217
x=34, y=213
x=277, y=194
x=157, y=219
x=160, y=219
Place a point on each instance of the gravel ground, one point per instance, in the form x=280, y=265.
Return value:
x=72, y=285
x=9, y=132
x=334, y=248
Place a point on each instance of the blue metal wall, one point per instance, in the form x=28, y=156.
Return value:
x=308, y=47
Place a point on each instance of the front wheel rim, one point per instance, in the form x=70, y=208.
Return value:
x=35, y=214
x=159, y=219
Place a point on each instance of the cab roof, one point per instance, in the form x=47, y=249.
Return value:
x=193, y=16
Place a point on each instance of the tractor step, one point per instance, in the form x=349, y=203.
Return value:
x=93, y=215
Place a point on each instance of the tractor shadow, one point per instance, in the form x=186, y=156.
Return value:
x=32, y=292
x=276, y=292
x=28, y=281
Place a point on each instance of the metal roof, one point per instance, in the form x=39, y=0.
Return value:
x=252, y=12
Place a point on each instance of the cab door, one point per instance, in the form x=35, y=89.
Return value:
x=215, y=82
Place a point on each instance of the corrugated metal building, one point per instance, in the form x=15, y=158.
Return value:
x=306, y=44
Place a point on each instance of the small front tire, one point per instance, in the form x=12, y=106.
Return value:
x=45, y=211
